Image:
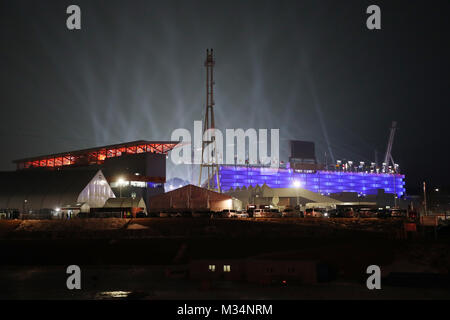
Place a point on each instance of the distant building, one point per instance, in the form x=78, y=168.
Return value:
x=48, y=192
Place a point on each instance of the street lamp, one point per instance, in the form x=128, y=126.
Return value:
x=297, y=185
x=120, y=182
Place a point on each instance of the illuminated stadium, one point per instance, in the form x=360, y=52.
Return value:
x=321, y=181
x=303, y=171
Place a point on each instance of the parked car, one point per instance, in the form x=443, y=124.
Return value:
x=331, y=213
x=202, y=214
x=289, y=213
x=367, y=213
x=349, y=213
x=261, y=213
x=229, y=213
x=398, y=213
x=413, y=215
x=242, y=214
x=313, y=212
x=383, y=213
x=274, y=213
x=217, y=214
x=175, y=214
x=141, y=214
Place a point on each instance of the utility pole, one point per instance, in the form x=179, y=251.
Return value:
x=395, y=191
x=211, y=165
x=425, y=198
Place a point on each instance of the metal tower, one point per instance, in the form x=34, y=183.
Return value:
x=388, y=157
x=211, y=163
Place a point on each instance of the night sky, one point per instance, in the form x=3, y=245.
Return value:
x=310, y=68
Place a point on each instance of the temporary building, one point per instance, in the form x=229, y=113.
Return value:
x=191, y=197
x=127, y=206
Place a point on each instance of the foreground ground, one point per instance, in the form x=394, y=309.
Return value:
x=149, y=282
x=131, y=256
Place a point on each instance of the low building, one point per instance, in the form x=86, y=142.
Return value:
x=126, y=207
x=277, y=197
x=192, y=198
x=217, y=269
x=71, y=210
x=282, y=198
x=261, y=269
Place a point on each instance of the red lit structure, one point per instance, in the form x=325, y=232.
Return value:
x=132, y=163
x=95, y=156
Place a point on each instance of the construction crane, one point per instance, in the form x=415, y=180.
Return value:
x=388, y=157
x=211, y=165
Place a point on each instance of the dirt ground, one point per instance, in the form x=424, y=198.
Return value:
x=151, y=227
x=348, y=245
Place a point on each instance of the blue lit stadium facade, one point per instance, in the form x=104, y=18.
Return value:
x=324, y=182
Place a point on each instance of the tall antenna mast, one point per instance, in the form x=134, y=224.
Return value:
x=211, y=164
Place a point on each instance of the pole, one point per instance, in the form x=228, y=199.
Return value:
x=425, y=198
x=395, y=192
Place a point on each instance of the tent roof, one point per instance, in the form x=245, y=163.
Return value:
x=195, y=191
x=41, y=187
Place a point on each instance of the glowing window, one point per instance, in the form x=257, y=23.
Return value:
x=226, y=268
x=212, y=267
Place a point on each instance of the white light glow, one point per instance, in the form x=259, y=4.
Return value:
x=297, y=184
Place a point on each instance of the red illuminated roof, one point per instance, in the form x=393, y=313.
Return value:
x=96, y=155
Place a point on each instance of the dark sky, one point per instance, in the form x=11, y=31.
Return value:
x=135, y=71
